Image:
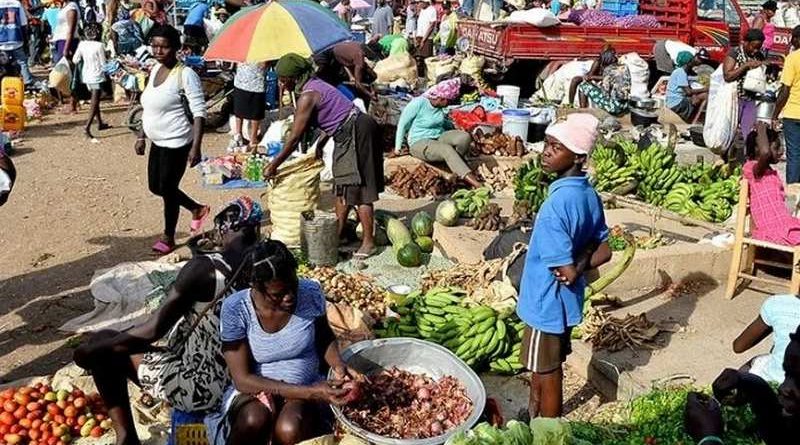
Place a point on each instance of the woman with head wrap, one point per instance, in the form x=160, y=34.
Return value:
x=681, y=98
x=739, y=61
x=357, y=154
x=431, y=136
x=186, y=369
x=608, y=84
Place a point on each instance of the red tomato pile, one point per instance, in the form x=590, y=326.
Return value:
x=39, y=415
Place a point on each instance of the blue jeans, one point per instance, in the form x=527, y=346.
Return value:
x=791, y=132
x=22, y=59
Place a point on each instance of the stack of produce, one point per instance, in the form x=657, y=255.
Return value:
x=422, y=181
x=488, y=218
x=357, y=290
x=497, y=144
x=658, y=172
x=409, y=245
x=470, y=202
x=41, y=415
x=478, y=335
x=531, y=183
x=709, y=193
x=402, y=405
x=611, y=173
x=496, y=178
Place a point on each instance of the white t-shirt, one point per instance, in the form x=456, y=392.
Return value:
x=427, y=18
x=9, y=6
x=62, y=25
x=93, y=55
x=163, y=119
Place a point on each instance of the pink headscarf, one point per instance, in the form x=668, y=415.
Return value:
x=578, y=132
x=446, y=89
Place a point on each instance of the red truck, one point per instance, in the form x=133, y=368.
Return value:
x=716, y=25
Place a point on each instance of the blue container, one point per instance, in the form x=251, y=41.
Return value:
x=360, y=36
x=179, y=418
x=271, y=91
x=621, y=8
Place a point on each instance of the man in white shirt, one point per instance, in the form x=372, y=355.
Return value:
x=426, y=27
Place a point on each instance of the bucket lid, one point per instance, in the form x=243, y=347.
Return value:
x=517, y=112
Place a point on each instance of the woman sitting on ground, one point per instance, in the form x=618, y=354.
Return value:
x=772, y=220
x=608, y=84
x=189, y=373
x=681, y=98
x=277, y=343
x=431, y=136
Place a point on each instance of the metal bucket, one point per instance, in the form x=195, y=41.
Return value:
x=319, y=238
x=416, y=356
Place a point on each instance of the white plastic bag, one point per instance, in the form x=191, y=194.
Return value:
x=539, y=17
x=675, y=47
x=640, y=74
x=327, y=159
x=755, y=81
x=555, y=86
x=720, y=127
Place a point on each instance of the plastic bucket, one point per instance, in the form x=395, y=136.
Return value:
x=515, y=123
x=510, y=95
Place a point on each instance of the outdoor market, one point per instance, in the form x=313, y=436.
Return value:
x=409, y=222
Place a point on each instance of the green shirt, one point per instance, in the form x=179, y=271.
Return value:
x=421, y=120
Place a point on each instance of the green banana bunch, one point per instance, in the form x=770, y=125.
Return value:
x=658, y=174
x=705, y=203
x=471, y=202
x=531, y=183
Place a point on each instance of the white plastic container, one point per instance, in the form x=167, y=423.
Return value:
x=510, y=95
x=515, y=123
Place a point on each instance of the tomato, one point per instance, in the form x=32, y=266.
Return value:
x=25, y=390
x=14, y=429
x=20, y=413
x=34, y=434
x=23, y=432
x=99, y=417
x=52, y=440
x=25, y=423
x=96, y=432
x=35, y=395
x=79, y=402
x=53, y=409
x=70, y=411
x=77, y=393
x=6, y=418
x=4, y=429
x=9, y=406
x=33, y=406
x=59, y=419
x=22, y=399
x=7, y=393
x=81, y=420
x=62, y=404
x=12, y=439
x=33, y=415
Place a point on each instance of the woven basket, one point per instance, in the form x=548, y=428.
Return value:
x=191, y=434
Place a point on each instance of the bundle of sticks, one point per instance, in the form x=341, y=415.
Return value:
x=612, y=333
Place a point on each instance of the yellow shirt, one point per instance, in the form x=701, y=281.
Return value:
x=791, y=78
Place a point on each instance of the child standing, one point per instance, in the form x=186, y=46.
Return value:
x=93, y=55
x=569, y=237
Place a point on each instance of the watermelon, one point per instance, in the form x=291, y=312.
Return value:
x=409, y=255
x=398, y=234
x=447, y=213
x=425, y=243
x=422, y=224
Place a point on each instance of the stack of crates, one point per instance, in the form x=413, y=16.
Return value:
x=621, y=8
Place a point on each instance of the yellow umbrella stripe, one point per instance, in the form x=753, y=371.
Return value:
x=265, y=38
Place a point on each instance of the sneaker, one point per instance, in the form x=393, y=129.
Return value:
x=235, y=143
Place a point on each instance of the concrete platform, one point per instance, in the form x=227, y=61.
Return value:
x=697, y=353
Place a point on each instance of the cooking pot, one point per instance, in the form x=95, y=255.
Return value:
x=765, y=109
x=643, y=118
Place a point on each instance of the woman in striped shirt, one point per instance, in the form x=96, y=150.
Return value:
x=276, y=341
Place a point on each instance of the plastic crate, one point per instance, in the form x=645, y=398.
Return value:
x=621, y=8
x=191, y=434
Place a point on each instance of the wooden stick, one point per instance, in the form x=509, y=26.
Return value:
x=638, y=205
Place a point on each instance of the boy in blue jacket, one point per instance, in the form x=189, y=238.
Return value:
x=569, y=237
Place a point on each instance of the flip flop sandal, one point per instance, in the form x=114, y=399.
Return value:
x=358, y=256
x=162, y=248
x=197, y=224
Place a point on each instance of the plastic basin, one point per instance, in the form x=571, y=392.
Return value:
x=418, y=357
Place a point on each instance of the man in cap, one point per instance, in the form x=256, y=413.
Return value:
x=569, y=237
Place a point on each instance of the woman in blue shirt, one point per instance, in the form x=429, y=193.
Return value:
x=276, y=341
x=681, y=98
x=430, y=134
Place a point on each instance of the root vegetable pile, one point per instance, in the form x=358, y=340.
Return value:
x=38, y=415
x=497, y=144
x=488, y=218
x=497, y=178
x=403, y=405
x=357, y=290
x=422, y=181
x=614, y=334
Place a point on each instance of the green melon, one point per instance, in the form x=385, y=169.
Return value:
x=398, y=233
x=425, y=243
x=409, y=255
x=422, y=224
x=447, y=213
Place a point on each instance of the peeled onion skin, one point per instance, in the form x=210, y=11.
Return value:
x=401, y=405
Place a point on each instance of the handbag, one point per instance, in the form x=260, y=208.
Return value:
x=187, y=110
x=755, y=81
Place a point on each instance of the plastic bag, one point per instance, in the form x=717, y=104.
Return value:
x=719, y=129
x=539, y=17
x=60, y=77
x=295, y=189
x=640, y=74
x=755, y=80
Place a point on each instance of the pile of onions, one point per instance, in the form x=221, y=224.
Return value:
x=402, y=405
x=596, y=17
